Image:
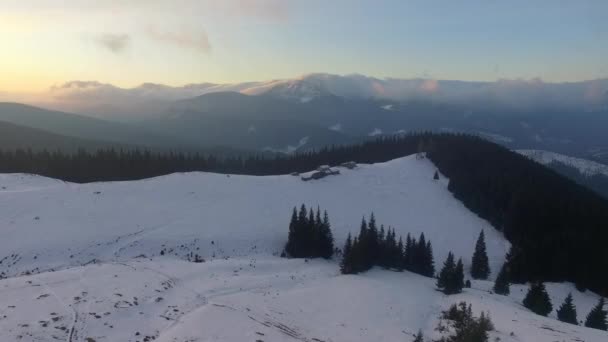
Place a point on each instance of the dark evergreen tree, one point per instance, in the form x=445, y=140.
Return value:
x=346, y=266
x=596, y=319
x=398, y=257
x=310, y=235
x=446, y=273
x=419, y=254
x=501, y=285
x=537, y=299
x=451, y=276
x=436, y=176
x=363, y=255
x=428, y=261
x=458, y=278
x=419, y=337
x=480, y=267
x=373, y=245
x=326, y=238
x=291, y=246
x=407, y=253
x=567, y=311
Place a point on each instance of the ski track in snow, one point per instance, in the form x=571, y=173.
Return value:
x=111, y=261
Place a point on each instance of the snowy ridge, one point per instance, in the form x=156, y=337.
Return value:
x=113, y=261
x=586, y=167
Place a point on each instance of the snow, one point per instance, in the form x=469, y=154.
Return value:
x=584, y=166
x=97, y=273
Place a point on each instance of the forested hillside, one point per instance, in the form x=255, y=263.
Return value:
x=557, y=227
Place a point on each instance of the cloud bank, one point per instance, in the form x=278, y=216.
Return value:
x=149, y=99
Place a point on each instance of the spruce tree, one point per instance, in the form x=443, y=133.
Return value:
x=291, y=245
x=428, y=265
x=446, y=272
x=419, y=337
x=567, y=311
x=537, y=299
x=363, y=259
x=346, y=266
x=327, y=238
x=316, y=235
x=372, y=241
x=398, y=257
x=390, y=246
x=458, y=278
x=301, y=235
x=480, y=268
x=407, y=253
x=436, y=176
x=596, y=319
x=501, y=285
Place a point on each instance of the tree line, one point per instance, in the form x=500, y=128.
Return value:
x=375, y=246
x=558, y=229
x=310, y=235
x=537, y=300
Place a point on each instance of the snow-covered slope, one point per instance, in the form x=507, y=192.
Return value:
x=225, y=215
x=120, y=255
x=586, y=167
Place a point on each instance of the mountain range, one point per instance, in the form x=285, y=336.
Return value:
x=317, y=110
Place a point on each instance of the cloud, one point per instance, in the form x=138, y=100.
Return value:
x=191, y=39
x=116, y=43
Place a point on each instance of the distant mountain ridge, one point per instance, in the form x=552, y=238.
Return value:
x=144, y=101
x=14, y=137
x=585, y=167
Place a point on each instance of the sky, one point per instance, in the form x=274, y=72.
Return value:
x=177, y=42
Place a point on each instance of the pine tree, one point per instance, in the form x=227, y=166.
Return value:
x=291, y=245
x=398, y=257
x=428, y=264
x=596, y=319
x=419, y=337
x=363, y=259
x=407, y=253
x=327, y=238
x=501, y=285
x=346, y=266
x=567, y=311
x=458, y=278
x=372, y=241
x=301, y=233
x=537, y=299
x=436, y=176
x=446, y=272
x=451, y=276
x=480, y=268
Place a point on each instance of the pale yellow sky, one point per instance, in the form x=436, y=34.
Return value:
x=176, y=42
